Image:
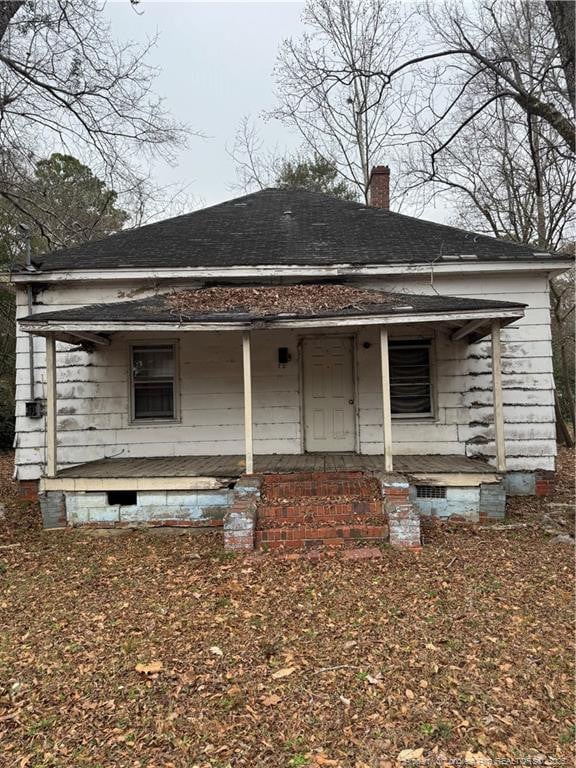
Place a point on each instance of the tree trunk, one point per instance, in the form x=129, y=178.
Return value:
x=563, y=434
x=564, y=23
x=567, y=381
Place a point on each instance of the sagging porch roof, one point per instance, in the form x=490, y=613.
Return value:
x=312, y=305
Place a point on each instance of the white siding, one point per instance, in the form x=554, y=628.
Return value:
x=464, y=381
x=93, y=388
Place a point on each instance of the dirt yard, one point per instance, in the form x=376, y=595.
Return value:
x=160, y=651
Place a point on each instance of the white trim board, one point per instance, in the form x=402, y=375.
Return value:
x=275, y=271
x=46, y=327
x=133, y=483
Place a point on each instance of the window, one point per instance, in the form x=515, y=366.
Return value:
x=410, y=380
x=153, y=382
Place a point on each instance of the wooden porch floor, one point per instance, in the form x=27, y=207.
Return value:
x=233, y=466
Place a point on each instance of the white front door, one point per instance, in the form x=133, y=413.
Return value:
x=329, y=410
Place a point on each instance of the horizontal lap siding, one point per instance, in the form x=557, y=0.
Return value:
x=409, y=436
x=464, y=379
x=93, y=398
x=93, y=404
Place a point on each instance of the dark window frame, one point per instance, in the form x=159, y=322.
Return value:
x=411, y=344
x=175, y=381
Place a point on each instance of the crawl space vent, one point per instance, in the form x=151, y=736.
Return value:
x=123, y=498
x=430, y=491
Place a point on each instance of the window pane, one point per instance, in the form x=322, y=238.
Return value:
x=410, y=388
x=153, y=362
x=153, y=369
x=153, y=401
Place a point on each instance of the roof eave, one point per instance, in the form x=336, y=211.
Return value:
x=65, y=329
x=289, y=270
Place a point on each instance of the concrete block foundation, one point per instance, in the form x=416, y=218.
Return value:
x=194, y=508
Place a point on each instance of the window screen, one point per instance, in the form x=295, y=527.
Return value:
x=153, y=375
x=410, y=385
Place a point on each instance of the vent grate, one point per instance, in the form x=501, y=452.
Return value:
x=430, y=491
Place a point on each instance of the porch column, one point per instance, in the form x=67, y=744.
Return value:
x=386, y=408
x=247, y=366
x=51, y=407
x=497, y=397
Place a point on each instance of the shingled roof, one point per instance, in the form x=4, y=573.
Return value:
x=285, y=227
x=228, y=304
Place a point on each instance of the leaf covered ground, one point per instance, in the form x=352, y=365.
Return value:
x=160, y=651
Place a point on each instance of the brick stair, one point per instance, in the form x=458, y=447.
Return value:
x=310, y=510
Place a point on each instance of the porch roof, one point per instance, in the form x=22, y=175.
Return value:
x=313, y=305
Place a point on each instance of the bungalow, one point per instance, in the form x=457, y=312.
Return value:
x=298, y=368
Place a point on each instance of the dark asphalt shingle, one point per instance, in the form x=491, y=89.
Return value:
x=284, y=227
x=157, y=309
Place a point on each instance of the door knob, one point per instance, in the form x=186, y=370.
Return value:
x=351, y=402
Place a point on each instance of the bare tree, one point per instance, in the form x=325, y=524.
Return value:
x=256, y=167
x=564, y=345
x=350, y=123
x=562, y=13
x=465, y=43
x=503, y=169
x=67, y=85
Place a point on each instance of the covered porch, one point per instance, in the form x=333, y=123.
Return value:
x=205, y=472
x=247, y=321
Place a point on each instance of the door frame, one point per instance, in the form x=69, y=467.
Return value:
x=302, y=383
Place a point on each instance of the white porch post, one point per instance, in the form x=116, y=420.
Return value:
x=497, y=396
x=247, y=367
x=386, y=408
x=51, y=408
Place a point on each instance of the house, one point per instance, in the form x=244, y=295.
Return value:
x=299, y=368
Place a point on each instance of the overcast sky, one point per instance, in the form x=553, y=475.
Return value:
x=216, y=61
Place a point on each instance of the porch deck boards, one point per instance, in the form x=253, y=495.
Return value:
x=233, y=466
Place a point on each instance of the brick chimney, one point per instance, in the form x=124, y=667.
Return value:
x=379, y=187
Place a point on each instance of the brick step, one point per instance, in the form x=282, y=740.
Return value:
x=318, y=511
x=305, y=537
x=291, y=487
x=317, y=500
x=330, y=520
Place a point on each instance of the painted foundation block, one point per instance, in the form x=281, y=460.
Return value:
x=463, y=502
x=492, y=501
x=53, y=509
x=194, y=508
x=240, y=519
x=520, y=483
x=537, y=483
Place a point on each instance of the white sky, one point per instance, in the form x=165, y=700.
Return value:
x=216, y=62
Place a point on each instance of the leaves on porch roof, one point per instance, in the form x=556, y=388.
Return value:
x=277, y=299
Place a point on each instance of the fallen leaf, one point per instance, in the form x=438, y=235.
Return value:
x=477, y=758
x=410, y=754
x=216, y=650
x=374, y=679
x=150, y=669
x=271, y=701
x=409, y=693
x=345, y=701
x=283, y=672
